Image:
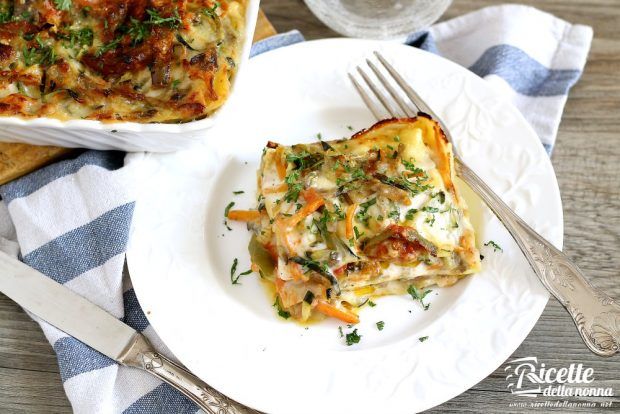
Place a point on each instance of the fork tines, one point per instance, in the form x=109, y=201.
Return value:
x=392, y=94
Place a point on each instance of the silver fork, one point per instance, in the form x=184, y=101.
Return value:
x=596, y=315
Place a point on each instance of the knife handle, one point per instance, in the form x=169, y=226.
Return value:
x=140, y=354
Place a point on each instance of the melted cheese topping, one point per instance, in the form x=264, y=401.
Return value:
x=373, y=214
x=126, y=60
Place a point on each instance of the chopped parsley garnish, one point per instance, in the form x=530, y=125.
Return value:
x=362, y=214
x=108, y=46
x=428, y=209
x=139, y=30
x=226, y=210
x=394, y=214
x=62, y=4
x=410, y=213
x=294, y=187
x=233, y=270
x=228, y=207
x=175, y=83
x=338, y=213
x=371, y=304
x=357, y=233
x=358, y=174
x=419, y=296
x=396, y=138
x=30, y=56
x=281, y=312
x=422, y=338
x=380, y=325
x=43, y=55
x=78, y=38
x=238, y=192
x=495, y=246
x=210, y=11
x=410, y=166
x=304, y=160
x=430, y=220
x=6, y=15
x=349, y=127
x=173, y=21
x=340, y=331
x=353, y=338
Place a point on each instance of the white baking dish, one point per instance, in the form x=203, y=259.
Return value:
x=127, y=136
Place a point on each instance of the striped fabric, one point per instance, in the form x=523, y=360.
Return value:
x=531, y=56
x=71, y=219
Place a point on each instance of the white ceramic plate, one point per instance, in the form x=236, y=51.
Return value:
x=180, y=253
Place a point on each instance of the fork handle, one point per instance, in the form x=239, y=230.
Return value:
x=596, y=315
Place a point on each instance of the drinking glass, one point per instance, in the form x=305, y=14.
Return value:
x=378, y=19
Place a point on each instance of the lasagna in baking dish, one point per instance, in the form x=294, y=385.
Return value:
x=118, y=60
x=342, y=221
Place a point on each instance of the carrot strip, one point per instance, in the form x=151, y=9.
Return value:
x=330, y=310
x=349, y=220
x=305, y=211
x=277, y=189
x=280, y=162
x=310, y=195
x=243, y=215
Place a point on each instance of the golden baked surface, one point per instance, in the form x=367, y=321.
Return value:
x=343, y=221
x=118, y=60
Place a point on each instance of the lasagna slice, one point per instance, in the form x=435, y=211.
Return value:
x=342, y=221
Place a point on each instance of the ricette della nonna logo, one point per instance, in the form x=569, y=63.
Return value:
x=527, y=377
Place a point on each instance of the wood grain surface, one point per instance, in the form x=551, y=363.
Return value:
x=587, y=163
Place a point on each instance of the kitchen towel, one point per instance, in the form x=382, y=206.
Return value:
x=71, y=220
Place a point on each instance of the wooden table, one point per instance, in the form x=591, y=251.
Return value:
x=587, y=164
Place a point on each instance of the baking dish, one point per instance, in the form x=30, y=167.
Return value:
x=126, y=136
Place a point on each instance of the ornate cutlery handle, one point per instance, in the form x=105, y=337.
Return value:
x=596, y=315
x=140, y=354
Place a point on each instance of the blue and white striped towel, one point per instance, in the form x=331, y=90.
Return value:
x=71, y=219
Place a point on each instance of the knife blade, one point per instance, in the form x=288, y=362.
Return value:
x=63, y=308
x=76, y=316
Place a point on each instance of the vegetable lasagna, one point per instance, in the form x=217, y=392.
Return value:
x=118, y=60
x=343, y=221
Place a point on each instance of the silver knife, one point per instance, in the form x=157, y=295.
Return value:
x=101, y=331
